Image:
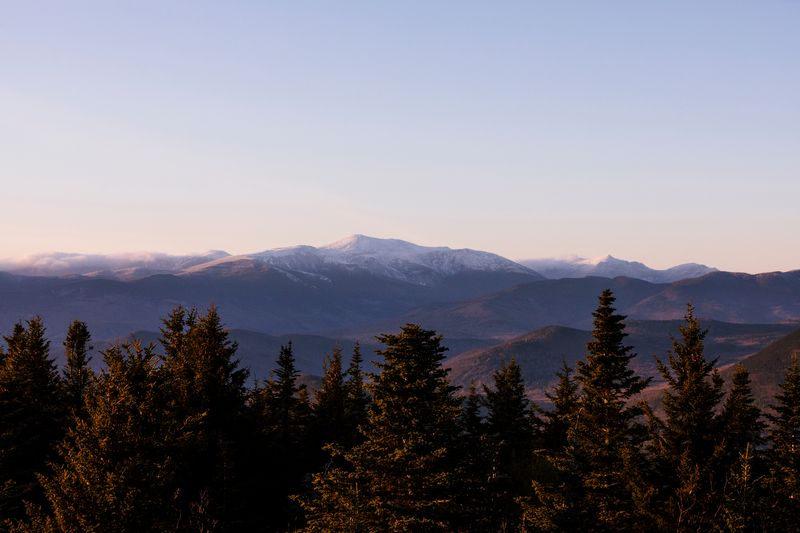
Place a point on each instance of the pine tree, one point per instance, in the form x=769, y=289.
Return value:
x=510, y=436
x=606, y=435
x=685, y=442
x=330, y=404
x=402, y=477
x=77, y=375
x=174, y=329
x=556, y=488
x=286, y=412
x=741, y=419
x=356, y=399
x=289, y=453
x=557, y=421
x=474, y=493
x=31, y=415
x=784, y=455
x=206, y=383
x=117, y=465
x=743, y=501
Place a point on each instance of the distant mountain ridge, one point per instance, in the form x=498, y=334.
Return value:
x=540, y=353
x=611, y=267
x=390, y=258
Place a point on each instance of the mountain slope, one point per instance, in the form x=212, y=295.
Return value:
x=727, y=297
x=541, y=352
x=611, y=267
x=390, y=258
x=768, y=367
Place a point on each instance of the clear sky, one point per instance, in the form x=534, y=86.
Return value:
x=659, y=131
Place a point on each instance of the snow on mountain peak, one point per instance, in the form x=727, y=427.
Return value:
x=362, y=244
x=391, y=258
x=610, y=267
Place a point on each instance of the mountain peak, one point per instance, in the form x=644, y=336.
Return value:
x=610, y=267
x=363, y=244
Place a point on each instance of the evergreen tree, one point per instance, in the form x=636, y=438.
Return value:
x=357, y=398
x=289, y=454
x=685, y=442
x=474, y=493
x=784, y=455
x=510, y=436
x=741, y=419
x=77, y=375
x=206, y=383
x=402, y=477
x=330, y=404
x=286, y=411
x=31, y=415
x=117, y=465
x=743, y=501
x=557, y=421
x=174, y=329
x=605, y=438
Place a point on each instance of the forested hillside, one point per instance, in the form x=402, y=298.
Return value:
x=172, y=435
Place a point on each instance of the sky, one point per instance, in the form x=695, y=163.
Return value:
x=664, y=132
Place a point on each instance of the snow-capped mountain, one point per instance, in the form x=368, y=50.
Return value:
x=391, y=258
x=611, y=267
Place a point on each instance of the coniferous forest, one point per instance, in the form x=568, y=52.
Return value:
x=178, y=437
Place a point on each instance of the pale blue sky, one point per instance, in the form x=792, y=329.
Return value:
x=664, y=132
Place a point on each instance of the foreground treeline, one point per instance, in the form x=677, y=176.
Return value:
x=171, y=438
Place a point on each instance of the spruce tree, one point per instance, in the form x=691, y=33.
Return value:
x=475, y=496
x=77, y=375
x=117, y=464
x=31, y=415
x=510, y=436
x=741, y=419
x=357, y=398
x=685, y=442
x=606, y=435
x=288, y=452
x=556, y=503
x=206, y=383
x=784, y=454
x=558, y=420
x=403, y=476
x=330, y=404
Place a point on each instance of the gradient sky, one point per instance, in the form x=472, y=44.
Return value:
x=659, y=131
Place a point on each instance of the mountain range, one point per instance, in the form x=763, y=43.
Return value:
x=486, y=306
x=611, y=267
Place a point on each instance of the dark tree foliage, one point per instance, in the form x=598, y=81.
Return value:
x=685, y=443
x=289, y=454
x=77, y=375
x=356, y=399
x=402, y=477
x=741, y=419
x=31, y=415
x=206, y=383
x=177, y=442
x=117, y=468
x=602, y=464
x=330, y=402
x=557, y=421
x=475, y=497
x=784, y=457
x=510, y=437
